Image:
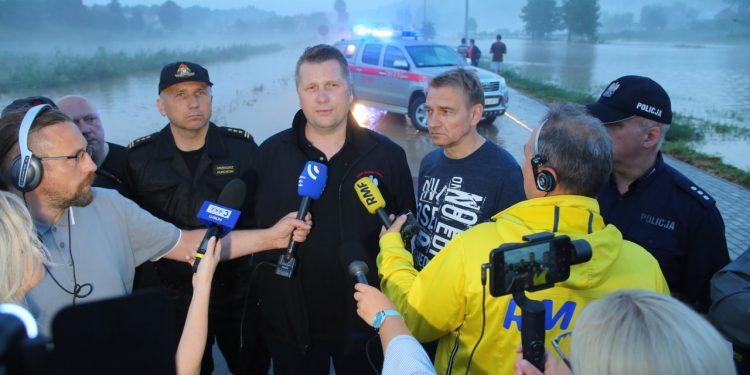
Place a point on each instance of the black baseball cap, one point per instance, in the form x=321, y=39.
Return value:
x=28, y=102
x=182, y=71
x=630, y=96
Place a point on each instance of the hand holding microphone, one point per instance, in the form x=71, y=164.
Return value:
x=205, y=274
x=310, y=185
x=372, y=199
x=221, y=217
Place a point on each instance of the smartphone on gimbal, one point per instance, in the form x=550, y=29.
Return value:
x=534, y=265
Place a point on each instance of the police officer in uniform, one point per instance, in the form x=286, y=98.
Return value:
x=651, y=203
x=171, y=173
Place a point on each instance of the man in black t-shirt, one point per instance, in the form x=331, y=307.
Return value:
x=498, y=49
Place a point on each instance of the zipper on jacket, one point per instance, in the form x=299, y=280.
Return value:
x=341, y=186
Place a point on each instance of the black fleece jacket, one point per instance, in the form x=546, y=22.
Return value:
x=318, y=300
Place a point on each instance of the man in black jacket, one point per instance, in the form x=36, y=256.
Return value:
x=310, y=318
x=110, y=158
x=170, y=174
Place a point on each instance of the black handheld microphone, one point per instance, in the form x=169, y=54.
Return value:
x=353, y=256
x=359, y=270
x=220, y=217
x=310, y=186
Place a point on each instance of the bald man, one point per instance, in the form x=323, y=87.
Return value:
x=110, y=158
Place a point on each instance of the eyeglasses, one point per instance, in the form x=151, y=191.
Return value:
x=556, y=344
x=89, y=150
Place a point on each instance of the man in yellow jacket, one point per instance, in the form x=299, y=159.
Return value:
x=568, y=160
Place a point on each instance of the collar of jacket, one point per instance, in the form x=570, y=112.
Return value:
x=355, y=134
x=645, y=180
x=572, y=215
x=167, y=149
x=556, y=213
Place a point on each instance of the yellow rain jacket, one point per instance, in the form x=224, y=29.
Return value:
x=444, y=300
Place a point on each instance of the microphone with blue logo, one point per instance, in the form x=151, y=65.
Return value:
x=221, y=217
x=310, y=186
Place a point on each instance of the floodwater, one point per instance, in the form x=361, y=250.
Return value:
x=258, y=94
x=706, y=80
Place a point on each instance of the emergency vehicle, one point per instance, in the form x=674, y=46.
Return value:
x=392, y=74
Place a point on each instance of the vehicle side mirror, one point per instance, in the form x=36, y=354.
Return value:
x=401, y=64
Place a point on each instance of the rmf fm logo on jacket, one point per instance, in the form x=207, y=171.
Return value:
x=563, y=314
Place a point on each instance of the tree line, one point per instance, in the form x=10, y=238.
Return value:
x=581, y=18
x=41, y=17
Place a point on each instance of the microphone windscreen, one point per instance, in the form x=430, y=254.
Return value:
x=369, y=194
x=312, y=180
x=358, y=266
x=233, y=194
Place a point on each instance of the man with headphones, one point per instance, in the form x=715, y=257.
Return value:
x=567, y=160
x=652, y=203
x=95, y=236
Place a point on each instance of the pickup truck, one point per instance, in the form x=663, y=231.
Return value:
x=393, y=74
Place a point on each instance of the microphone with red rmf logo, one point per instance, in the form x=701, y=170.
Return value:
x=310, y=186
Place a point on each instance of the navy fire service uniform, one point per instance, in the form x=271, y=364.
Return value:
x=677, y=222
x=172, y=185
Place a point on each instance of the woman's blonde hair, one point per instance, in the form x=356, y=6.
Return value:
x=640, y=332
x=20, y=248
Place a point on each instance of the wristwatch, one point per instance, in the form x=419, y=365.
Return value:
x=381, y=315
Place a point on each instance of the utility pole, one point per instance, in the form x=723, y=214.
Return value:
x=424, y=14
x=466, y=20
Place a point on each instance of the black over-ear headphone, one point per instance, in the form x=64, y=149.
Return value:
x=544, y=179
x=26, y=170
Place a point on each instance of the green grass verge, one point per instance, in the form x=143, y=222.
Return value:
x=32, y=71
x=684, y=129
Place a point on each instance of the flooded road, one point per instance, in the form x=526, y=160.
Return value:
x=258, y=94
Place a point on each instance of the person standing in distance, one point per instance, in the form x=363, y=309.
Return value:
x=310, y=319
x=463, y=49
x=498, y=49
x=652, y=203
x=467, y=179
x=110, y=158
x=170, y=174
x=474, y=53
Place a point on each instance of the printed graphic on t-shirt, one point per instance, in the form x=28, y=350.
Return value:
x=444, y=209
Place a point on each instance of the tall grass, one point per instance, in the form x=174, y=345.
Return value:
x=31, y=71
x=685, y=130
